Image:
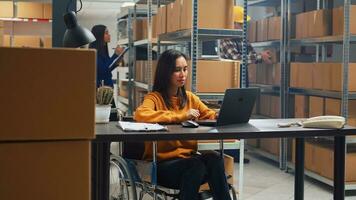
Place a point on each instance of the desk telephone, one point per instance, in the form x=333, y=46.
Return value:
x=327, y=121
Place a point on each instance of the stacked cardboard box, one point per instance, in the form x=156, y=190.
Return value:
x=274, y=28
x=319, y=158
x=162, y=20
x=338, y=20
x=1, y=33
x=226, y=75
x=315, y=24
x=6, y=9
x=29, y=10
x=26, y=41
x=269, y=74
x=209, y=15
x=252, y=31
x=262, y=30
x=54, y=140
x=47, y=11
x=141, y=71
x=322, y=76
x=140, y=29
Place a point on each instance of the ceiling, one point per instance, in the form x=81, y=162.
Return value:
x=101, y=8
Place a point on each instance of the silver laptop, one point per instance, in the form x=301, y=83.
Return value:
x=236, y=107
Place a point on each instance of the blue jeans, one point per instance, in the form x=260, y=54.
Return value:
x=187, y=174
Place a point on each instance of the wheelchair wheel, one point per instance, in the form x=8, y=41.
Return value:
x=122, y=186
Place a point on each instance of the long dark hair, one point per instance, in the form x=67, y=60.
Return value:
x=99, y=44
x=165, y=68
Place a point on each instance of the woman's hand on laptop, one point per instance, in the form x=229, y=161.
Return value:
x=193, y=114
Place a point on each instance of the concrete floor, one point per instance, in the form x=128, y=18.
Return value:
x=263, y=180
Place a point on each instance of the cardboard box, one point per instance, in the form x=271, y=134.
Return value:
x=29, y=10
x=123, y=89
x=318, y=23
x=310, y=161
x=54, y=108
x=26, y=41
x=333, y=107
x=1, y=36
x=336, y=77
x=338, y=20
x=276, y=74
x=253, y=142
x=270, y=145
x=6, y=41
x=316, y=106
x=294, y=74
x=301, y=105
x=274, y=28
x=137, y=26
x=209, y=14
x=162, y=20
x=261, y=74
x=6, y=9
x=173, y=16
x=301, y=33
x=301, y=75
x=252, y=73
x=226, y=75
x=265, y=105
x=145, y=27
x=47, y=11
x=47, y=42
x=275, y=107
x=45, y=170
x=321, y=76
x=252, y=31
x=262, y=30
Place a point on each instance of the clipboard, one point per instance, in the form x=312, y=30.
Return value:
x=112, y=65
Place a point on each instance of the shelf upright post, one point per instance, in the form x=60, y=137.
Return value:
x=284, y=62
x=131, y=14
x=346, y=59
x=194, y=44
x=339, y=175
x=149, y=44
x=158, y=40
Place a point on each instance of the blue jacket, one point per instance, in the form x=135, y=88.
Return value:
x=103, y=70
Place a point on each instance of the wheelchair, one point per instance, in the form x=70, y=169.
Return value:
x=130, y=177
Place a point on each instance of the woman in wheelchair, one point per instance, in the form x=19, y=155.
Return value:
x=179, y=165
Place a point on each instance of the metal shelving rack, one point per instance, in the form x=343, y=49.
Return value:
x=285, y=43
x=194, y=35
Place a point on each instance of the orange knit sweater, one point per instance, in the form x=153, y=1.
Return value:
x=153, y=109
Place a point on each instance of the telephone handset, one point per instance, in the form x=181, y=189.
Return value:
x=327, y=121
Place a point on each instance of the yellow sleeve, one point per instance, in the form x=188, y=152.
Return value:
x=205, y=112
x=147, y=112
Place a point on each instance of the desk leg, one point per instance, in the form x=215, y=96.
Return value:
x=100, y=170
x=339, y=168
x=299, y=169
